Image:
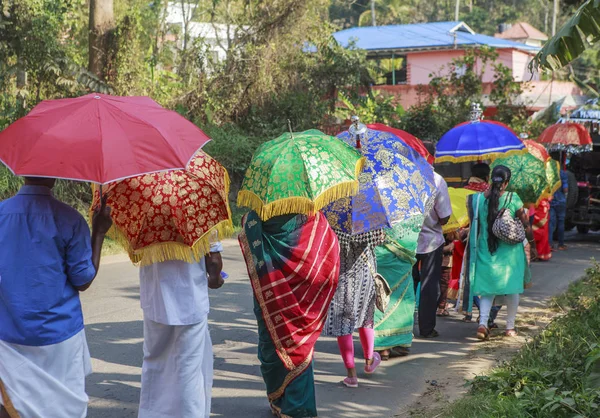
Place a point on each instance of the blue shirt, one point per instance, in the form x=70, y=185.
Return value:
x=560, y=198
x=45, y=250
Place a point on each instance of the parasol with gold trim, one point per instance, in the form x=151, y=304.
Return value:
x=170, y=215
x=299, y=173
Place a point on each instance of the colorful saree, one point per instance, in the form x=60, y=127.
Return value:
x=395, y=260
x=293, y=265
x=541, y=230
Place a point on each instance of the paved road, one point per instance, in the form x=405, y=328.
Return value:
x=114, y=330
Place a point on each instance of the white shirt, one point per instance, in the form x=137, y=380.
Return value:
x=432, y=235
x=176, y=292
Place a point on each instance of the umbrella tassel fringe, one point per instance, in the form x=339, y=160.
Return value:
x=169, y=251
x=293, y=205
x=471, y=158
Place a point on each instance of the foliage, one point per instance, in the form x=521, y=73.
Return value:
x=554, y=375
x=372, y=108
x=572, y=39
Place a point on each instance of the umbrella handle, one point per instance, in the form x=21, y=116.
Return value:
x=103, y=199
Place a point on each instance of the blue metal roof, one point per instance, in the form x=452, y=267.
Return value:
x=421, y=36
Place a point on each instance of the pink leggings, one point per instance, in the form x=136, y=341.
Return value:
x=346, y=344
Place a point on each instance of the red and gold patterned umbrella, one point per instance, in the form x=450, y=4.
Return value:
x=570, y=137
x=170, y=215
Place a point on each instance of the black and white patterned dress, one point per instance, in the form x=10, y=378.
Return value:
x=353, y=305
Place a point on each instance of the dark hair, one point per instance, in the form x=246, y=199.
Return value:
x=481, y=171
x=500, y=175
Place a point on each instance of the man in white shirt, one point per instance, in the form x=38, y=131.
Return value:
x=177, y=373
x=428, y=269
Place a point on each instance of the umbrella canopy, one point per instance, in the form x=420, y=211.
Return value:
x=570, y=137
x=299, y=173
x=396, y=185
x=410, y=140
x=537, y=150
x=170, y=215
x=99, y=138
x=552, y=167
x=460, y=216
x=552, y=177
x=528, y=178
x=475, y=141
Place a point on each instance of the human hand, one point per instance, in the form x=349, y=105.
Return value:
x=101, y=220
x=215, y=282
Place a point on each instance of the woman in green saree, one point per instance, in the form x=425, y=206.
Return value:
x=395, y=260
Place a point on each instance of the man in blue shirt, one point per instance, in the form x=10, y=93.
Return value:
x=47, y=258
x=558, y=211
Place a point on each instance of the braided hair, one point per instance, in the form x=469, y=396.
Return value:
x=500, y=175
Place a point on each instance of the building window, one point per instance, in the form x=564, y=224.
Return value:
x=389, y=70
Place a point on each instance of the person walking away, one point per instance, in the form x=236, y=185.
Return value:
x=497, y=268
x=293, y=263
x=447, y=264
x=480, y=178
x=353, y=305
x=395, y=260
x=177, y=372
x=430, y=248
x=558, y=212
x=47, y=258
x=541, y=230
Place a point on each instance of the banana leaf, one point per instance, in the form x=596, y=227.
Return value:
x=580, y=31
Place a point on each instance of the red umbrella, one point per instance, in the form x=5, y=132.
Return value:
x=537, y=150
x=99, y=138
x=410, y=140
x=569, y=136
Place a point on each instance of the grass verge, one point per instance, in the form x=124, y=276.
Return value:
x=557, y=374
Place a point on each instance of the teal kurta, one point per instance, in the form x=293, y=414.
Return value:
x=504, y=272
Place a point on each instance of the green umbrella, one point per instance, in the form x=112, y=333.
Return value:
x=552, y=177
x=528, y=178
x=300, y=173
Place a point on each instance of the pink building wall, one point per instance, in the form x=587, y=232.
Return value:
x=421, y=65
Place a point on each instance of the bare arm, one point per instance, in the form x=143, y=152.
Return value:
x=524, y=218
x=101, y=223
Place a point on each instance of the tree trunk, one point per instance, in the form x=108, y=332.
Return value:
x=554, y=16
x=101, y=26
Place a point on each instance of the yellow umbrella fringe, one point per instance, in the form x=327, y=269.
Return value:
x=168, y=251
x=297, y=204
x=471, y=158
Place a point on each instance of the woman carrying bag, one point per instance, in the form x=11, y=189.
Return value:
x=498, y=265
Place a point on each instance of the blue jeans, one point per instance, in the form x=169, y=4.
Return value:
x=558, y=213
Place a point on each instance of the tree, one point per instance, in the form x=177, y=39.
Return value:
x=101, y=32
x=573, y=38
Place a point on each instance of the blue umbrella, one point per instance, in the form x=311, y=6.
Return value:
x=478, y=140
x=396, y=184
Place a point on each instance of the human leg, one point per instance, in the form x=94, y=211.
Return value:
x=561, y=213
x=443, y=299
x=346, y=346
x=485, y=306
x=431, y=272
x=553, y=224
x=512, y=305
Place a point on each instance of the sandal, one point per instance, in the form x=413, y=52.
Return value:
x=385, y=354
x=483, y=333
x=443, y=312
x=467, y=318
x=511, y=333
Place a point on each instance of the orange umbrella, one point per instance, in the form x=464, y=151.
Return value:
x=170, y=215
x=570, y=137
x=537, y=150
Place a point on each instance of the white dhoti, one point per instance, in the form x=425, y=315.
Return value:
x=45, y=381
x=177, y=373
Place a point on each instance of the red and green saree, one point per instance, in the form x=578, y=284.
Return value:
x=293, y=265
